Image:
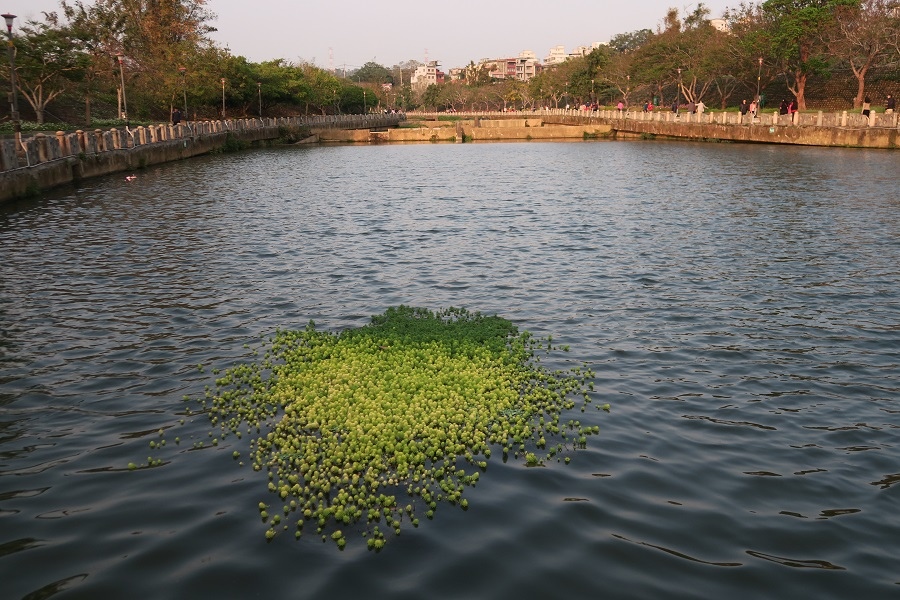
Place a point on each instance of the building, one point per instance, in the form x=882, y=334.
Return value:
x=425, y=75
x=557, y=55
x=522, y=67
x=720, y=24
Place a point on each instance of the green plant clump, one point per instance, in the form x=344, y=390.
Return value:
x=410, y=405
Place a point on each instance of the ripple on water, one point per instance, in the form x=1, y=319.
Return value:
x=737, y=303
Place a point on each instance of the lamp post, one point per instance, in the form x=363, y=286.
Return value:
x=183, y=70
x=758, y=77
x=365, y=110
x=592, y=91
x=259, y=92
x=679, y=86
x=13, y=97
x=121, y=58
x=223, y=97
x=627, y=90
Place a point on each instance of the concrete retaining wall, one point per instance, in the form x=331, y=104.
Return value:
x=44, y=161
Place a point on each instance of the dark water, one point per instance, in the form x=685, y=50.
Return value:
x=740, y=306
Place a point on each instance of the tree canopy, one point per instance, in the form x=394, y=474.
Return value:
x=158, y=55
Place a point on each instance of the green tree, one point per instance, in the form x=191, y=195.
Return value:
x=47, y=64
x=628, y=42
x=861, y=35
x=372, y=72
x=794, y=31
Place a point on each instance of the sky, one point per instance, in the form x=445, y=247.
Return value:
x=348, y=34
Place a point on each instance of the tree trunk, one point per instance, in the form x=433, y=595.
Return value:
x=799, y=89
x=860, y=85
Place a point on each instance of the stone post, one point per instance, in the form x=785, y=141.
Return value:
x=8, y=158
x=61, y=141
x=819, y=118
x=40, y=142
x=101, y=141
x=844, y=119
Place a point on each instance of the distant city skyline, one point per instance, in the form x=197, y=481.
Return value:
x=340, y=35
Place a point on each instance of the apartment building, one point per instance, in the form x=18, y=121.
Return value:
x=426, y=75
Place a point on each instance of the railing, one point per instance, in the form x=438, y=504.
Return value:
x=843, y=119
x=42, y=148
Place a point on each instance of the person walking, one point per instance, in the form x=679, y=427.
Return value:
x=744, y=107
x=176, y=116
x=889, y=105
x=866, y=107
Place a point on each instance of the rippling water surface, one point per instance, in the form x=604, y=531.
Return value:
x=739, y=304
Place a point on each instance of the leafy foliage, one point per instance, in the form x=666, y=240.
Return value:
x=413, y=405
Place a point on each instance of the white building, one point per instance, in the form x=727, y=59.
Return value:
x=426, y=75
x=557, y=55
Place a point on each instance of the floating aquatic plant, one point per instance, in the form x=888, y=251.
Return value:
x=411, y=405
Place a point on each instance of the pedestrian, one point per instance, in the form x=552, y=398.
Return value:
x=866, y=107
x=620, y=106
x=176, y=116
x=700, y=107
x=783, y=110
x=792, y=108
x=691, y=107
x=744, y=107
x=675, y=107
x=753, y=110
x=890, y=105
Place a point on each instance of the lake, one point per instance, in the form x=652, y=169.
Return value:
x=739, y=305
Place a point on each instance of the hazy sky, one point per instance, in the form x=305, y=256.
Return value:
x=351, y=32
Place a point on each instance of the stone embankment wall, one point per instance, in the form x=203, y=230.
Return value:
x=43, y=161
x=842, y=128
x=474, y=130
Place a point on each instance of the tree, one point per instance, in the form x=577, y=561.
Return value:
x=628, y=42
x=47, y=63
x=861, y=35
x=794, y=31
x=687, y=55
x=372, y=72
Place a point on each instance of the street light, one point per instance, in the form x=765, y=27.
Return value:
x=121, y=58
x=627, y=90
x=758, y=77
x=13, y=98
x=183, y=70
x=259, y=91
x=223, y=98
x=592, y=91
x=679, y=86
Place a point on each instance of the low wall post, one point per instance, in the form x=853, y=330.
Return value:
x=40, y=141
x=61, y=141
x=844, y=119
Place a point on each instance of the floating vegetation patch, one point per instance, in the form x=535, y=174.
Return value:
x=375, y=427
